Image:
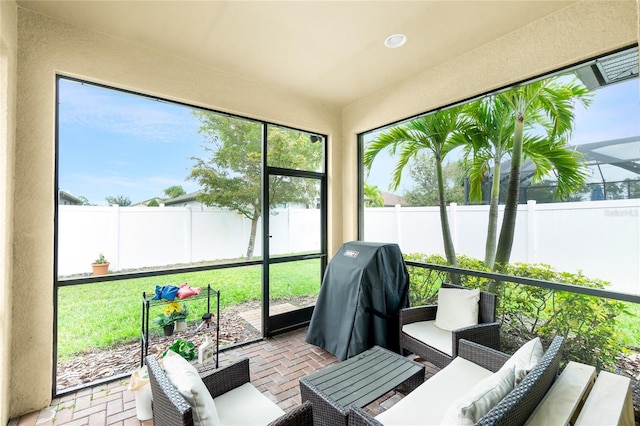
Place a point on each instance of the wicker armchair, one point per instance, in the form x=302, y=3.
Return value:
x=486, y=332
x=171, y=409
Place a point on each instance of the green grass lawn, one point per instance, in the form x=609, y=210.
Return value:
x=103, y=314
x=629, y=325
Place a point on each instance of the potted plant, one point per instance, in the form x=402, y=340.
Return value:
x=100, y=266
x=180, y=318
x=165, y=321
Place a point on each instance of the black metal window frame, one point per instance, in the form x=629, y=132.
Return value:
x=281, y=324
x=360, y=136
x=549, y=285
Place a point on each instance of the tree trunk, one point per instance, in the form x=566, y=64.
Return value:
x=444, y=219
x=492, y=228
x=503, y=253
x=252, y=236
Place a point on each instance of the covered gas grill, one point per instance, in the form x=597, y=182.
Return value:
x=363, y=290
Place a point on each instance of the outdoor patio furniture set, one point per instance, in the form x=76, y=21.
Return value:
x=477, y=384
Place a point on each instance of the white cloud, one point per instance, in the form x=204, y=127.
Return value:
x=106, y=110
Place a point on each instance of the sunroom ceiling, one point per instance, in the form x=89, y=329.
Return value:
x=329, y=51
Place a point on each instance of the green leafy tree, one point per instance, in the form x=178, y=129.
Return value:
x=372, y=196
x=550, y=102
x=634, y=188
x=431, y=133
x=121, y=200
x=153, y=203
x=231, y=174
x=84, y=201
x=174, y=191
x=425, y=192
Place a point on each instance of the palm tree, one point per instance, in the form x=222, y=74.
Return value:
x=549, y=101
x=373, y=196
x=488, y=140
x=433, y=133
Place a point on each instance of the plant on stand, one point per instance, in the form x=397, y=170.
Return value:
x=165, y=321
x=100, y=266
x=180, y=318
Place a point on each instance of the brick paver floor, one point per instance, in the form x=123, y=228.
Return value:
x=276, y=365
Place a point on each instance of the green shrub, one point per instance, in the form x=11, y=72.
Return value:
x=424, y=283
x=587, y=323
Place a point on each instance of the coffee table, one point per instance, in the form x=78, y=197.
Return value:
x=357, y=382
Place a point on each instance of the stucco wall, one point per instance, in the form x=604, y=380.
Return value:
x=8, y=83
x=578, y=32
x=47, y=47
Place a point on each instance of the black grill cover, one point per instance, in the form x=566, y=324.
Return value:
x=364, y=288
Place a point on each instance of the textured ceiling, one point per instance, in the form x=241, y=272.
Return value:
x=329, y=51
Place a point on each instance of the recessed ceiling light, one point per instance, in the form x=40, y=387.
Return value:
x=395, y=40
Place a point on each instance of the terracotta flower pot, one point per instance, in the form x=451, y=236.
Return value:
x=100, y=268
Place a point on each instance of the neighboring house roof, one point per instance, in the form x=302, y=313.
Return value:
x=146, y=202
x=65, y=196
x=191, y=196
x=391, y=200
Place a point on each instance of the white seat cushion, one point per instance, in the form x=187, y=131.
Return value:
x=428, y=404
x=186, y=379
x=457, y=308
x=427, y=332
x=246, y=406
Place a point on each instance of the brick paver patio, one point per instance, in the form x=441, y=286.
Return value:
x=276, y=365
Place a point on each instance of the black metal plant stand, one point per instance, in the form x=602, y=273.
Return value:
x=147, y=302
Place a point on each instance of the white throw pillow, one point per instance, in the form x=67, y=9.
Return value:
x=485, y=395
x=186, y=379
x=457, y=308
x=525, y=358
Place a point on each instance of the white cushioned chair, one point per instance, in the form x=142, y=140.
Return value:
x=235, y=400
x=434, y=335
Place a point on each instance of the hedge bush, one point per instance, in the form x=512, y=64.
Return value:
x=587, y=323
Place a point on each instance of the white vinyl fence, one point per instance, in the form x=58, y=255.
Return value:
x=137, y=237
x=601, y=238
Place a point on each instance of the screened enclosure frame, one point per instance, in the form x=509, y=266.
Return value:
x=270, y=324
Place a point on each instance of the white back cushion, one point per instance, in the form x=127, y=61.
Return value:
x=457, y=308
x=480, y=399
x=525, y=358
x=186, y=379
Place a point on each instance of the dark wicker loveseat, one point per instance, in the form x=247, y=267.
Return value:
x=171, y=409
x=517, y=406
x=486, y=332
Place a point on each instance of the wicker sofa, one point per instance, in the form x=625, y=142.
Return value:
x=486, y=332
x=429, y=402
x=171, y=409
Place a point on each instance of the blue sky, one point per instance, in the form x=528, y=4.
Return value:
x=112, y=143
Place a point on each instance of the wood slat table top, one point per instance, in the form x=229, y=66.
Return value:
x=364, y=378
